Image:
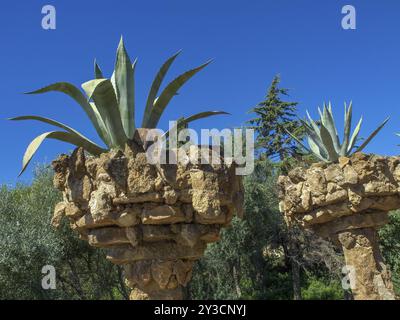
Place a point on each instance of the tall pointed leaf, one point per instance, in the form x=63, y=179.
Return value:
x=57, y=135
x=155, y=87
x=165, y=97
x=194, y=117
x=315, y=150
x=310, y=132
x=328, y=143
x=125, y=88
x=330, y=125
x=57, y=124
x=80, y=98
x=354, y=136
x=313, y=124
x=373, y=134
x=298, y=141
x=98, y=74
x=347, y=129
x=103, y=95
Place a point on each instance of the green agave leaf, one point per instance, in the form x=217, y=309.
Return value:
x=315, y=150
x=165, y=97
x=202, y=115
x=372, y=135
x=57, y=124
x=80, y=98
x=313, y=135
x=330, y=125
x=347, y=128
x=125, y=89
x=298, y=141
x=320, y=113
x=194, y=117
x=155, y=86
x=103, y=95
x=354, y=137
x=328, y=143
x=57, y=135
x=97, y=71
x=313, y=124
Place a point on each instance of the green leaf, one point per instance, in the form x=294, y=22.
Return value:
x=155, y=86
x=57, y=135
x=372, y=135
x=313, y=124
x=320, y=112
x=97, y=71
x=298, y=141
x=347, y=128
x=80, y=98
x=315, y=150
x=328, y=143
x=330, y=125
x=165, y=97
x=197, y=116
x=354, y=137
x=125, y=89
x=202, y=115
x=103, y=95
x=57, y=124
x=313, y=135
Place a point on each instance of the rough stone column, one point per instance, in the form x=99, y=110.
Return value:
x=371, y=277
x=347, y=202
x=158, y=279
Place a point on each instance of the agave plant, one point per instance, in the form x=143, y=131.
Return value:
x=323, y=139
x=110, y=106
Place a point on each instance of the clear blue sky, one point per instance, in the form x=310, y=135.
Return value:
x=251, y=41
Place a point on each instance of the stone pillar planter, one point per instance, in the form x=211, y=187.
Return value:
x=156, y=221
x=347, y=202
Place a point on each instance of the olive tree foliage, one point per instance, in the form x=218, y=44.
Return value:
x=251, y=261
x=28, y=242
x=237, y=266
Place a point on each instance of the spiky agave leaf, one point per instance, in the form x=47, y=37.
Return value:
x=194, y=117
x=320, y=154
x=315, y=136
x=328, y=144
x=58, y=135
x=98, y=74
x=372, y=135
x=57, y=124
x=125, y=89
x=155, y=87
x=329, y=123
x=347, y=128
x=103, y=95
x=298, y=141
x=354, y=137
x=167, y=94
x=72, y=91
x=321, y=140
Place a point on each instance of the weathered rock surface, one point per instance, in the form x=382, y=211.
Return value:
x=154, y=220
x=347, y=202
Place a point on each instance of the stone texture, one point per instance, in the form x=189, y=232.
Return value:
x=154, y=220
x=371, y=277
x=165, y=214
x=347, y=202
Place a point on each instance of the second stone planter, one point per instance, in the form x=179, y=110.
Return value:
x=347, y=202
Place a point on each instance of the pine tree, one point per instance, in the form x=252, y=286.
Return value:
x=274, y=118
